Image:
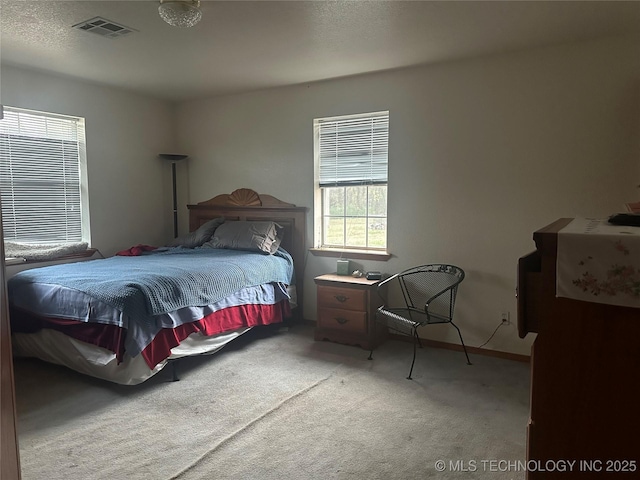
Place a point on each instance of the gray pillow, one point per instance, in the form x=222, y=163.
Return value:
x=240, y=235
x=198, y=237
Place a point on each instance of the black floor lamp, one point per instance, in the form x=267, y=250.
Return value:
x=174, y=159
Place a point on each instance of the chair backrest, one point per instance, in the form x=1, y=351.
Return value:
x=432, y=286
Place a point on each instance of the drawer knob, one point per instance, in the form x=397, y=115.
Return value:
x=341, y=298
x=341, y=320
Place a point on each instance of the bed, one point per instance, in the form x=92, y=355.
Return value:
x=124, y=318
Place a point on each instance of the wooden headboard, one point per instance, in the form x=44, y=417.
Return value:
x=245, y=204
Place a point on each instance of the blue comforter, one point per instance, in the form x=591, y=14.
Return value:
x=149, y=285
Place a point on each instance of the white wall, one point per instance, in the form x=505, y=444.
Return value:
x=129, y=187
x=482, y=153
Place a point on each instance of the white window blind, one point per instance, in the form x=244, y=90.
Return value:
x=353, y=150
x=351, y=163
x=40, y=176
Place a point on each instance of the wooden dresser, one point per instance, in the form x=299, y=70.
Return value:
x=346, y=311
x=585, y=374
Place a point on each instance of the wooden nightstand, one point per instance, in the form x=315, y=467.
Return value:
x=346, y=311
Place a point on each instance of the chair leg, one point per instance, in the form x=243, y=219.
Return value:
x=462, y=342
x=416, y=339
x=370, y=355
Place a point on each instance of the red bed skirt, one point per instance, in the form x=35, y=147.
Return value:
x=111, y=337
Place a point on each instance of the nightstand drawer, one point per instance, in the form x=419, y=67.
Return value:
x=346, y=309
x=343, y=320
x=342, y=298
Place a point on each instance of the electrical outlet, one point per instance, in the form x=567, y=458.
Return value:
x=505, y=318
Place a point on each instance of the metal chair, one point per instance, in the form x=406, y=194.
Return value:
x=429, y=293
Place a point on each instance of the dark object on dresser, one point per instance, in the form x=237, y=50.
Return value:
x=627, y=219
x=374, y=276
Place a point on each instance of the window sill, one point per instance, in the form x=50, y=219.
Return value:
x=352, y=254
x=89, y=252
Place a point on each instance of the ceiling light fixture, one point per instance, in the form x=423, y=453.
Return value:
x=180, y=13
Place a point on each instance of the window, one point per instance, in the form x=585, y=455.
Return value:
x=351, y=154
x=43, y=177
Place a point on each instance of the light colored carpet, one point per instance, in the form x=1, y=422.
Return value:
x=277, y=405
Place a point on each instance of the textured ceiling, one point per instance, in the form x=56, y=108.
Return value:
x=242, y=46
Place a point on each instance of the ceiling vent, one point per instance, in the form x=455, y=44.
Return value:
x=103, y=27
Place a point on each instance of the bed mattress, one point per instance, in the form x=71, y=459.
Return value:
x=55, y=347
x=249, y=307
x=126, y=316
